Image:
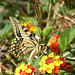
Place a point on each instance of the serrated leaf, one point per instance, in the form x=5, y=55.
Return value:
x=21, y=63
x=65, y=38
x=46, y=30
x=36, y=62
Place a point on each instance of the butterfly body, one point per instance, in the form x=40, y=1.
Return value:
x=25, y=40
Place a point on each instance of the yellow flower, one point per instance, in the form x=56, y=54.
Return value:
x=61, y=62
x=50, y=63
x=17, y=70
x=17, y=73
x=45, y=67
x=21, y=66
x=56, y=57
x=44, y=57
x=56, y=63
x=28, y=70
x=33, y=28
x=51, y=54
x=49, y=70
x=53, y=40
x=40, y=63
x=28, y=22
x=24, y=68
x=25, y=24
x=51, y=66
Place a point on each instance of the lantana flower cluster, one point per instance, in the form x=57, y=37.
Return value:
x=25, y=69
x=50, y=63
x=53, y=44
x=30, y=27
x=66, y=65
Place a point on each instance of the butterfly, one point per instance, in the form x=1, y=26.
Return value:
x=25, y=41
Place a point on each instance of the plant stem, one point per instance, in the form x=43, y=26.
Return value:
x=9, y=58
x=50, y=5
x=38, y=16
x=28, y=7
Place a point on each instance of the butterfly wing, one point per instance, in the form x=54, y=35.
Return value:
x=25, y=41
x=21, y=46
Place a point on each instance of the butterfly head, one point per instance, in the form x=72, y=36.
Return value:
x=43, y=46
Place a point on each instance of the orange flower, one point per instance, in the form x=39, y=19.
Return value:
x=50, y=64
x=54, y=44
x=67, y=66
x=25, y=69
x=30, y=27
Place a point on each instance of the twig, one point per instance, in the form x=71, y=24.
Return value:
x=65, y=17
x=44, y=5
x=19, y=2
x=66, y=54
x=3, y=66
x=50, y=5
x=73, y=58
x=37, y=12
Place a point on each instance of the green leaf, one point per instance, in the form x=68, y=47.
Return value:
x=36, y=63
x=1, y=73
x=1, y=17
x=63, y=10
x=65, y=38
x=45, y=7
x=19, y=58
x=46, y=30
x=69, y=74
x=37, y=31
x=6, y=28
x=46, y=74
x=21, y=63
x=30, y=19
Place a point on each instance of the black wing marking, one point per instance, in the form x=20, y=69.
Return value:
x=21, y=31
x=21, y=46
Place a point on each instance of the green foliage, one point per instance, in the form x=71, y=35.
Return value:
x=19, y=58
x=64, y=9
x=21, y=63
x=65, y=38
x=36, y=62
x=69, y=74
x=46, y=30
x=6, y=29
x=46, y=74
x=1, y=74
x=37, y=31
x=45, y=7
x=1, y=17
x=32, y=20
x=73, y=50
